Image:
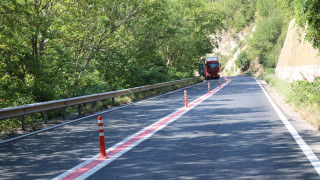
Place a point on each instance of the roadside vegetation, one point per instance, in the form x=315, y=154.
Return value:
x=263, y=49
x=238, y=15
x=59, y=49
x=266, y=43
x=51, y=49
x=54, y=50
x=302, y=95
x=11, y=127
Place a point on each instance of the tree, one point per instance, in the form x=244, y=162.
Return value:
x=237, y=14
x=62, y=48
x=307, y=16
x=268, y=37
x=243, y=61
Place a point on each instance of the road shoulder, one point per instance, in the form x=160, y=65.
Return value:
x=308, y=132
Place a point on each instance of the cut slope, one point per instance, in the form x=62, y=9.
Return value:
x=298, y=59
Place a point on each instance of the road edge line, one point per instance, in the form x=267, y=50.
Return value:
x=302, y=144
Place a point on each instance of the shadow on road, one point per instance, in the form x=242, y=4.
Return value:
x=233, y=135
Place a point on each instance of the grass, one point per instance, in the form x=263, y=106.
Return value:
x=306, y=107
x=282, y=86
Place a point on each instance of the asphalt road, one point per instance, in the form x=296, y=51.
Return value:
x=234, y=134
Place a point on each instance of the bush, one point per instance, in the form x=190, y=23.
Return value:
x=174, y=74
x=243, y=61
x=306, y=92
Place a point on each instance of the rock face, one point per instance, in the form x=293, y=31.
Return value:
x=298, y=59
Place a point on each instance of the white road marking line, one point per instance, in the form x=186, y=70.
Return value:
x=302, y=144
x=89, y=167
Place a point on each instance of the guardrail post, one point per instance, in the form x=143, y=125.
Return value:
x=45, y=117
x=93, y=104
x=23, y=123
x=208, y=87
x=103, y=154
x=64, y=113
x=185, y=98
x=112, y=101
x=79, y=110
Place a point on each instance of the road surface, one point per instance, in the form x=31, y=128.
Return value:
x=233, y=134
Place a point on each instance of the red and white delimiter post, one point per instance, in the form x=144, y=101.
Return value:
x=103, y=154
x=185, y=98
x=208, y=87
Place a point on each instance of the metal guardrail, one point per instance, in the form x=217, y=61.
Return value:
x=21, y=111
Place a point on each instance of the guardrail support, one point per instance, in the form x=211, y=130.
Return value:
x=112, y=101
x=79, y=110
x=64, y=113
x=93, y=104
x=45, y=117
x=103, y=154
x=23, y=123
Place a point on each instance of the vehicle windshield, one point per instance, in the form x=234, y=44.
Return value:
x=213, y=65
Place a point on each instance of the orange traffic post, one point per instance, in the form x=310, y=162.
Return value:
x=185, y=98
x=208, y=87
x=225, y=80
x=103, y=154
x=219, y=83
x=228, y=78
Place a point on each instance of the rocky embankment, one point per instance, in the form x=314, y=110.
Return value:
x=298, y=59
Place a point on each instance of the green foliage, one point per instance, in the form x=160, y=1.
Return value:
x=270, y=33
x=265, y=8
x=303, y=95
x=59, y=49
x=238, y=14
x=8, y=125
x=243, y=61
x=306, y=92
x=282, y=86
x=307, y=13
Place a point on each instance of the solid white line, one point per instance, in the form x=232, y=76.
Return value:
x=110, y=159
x=95, y=114
x=303, y=145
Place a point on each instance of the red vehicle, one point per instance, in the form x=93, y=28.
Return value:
x=210, y=68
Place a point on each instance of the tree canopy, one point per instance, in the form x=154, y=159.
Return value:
x=52, y=49
x=307, y=14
